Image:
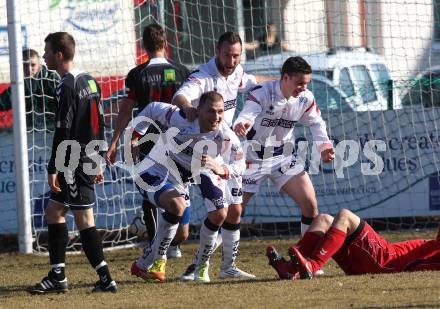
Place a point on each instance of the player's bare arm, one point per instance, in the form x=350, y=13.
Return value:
x=211, y=164
x=126, y=107
x=52, y=180
x=242, y=128
x=185, y=105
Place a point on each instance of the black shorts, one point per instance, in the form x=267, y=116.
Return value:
x=78, y=192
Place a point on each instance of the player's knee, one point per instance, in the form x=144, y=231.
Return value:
x=52, y=215
x=234, y=213
x=324, y=219
x=217, y=217
x=176, y=206
x=344, y=214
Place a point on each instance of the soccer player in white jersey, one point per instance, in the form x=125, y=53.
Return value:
x=223, y=74
x=268, y=119
x=167, y=182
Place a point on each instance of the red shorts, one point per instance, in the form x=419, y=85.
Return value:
x=370, y=253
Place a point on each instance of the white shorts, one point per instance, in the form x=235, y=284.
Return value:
x=234, y=191
x=157, y=179
x=280, y=172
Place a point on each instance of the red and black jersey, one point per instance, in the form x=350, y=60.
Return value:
x=79, y=114
x=156, y=80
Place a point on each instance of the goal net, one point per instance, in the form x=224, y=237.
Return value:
x=375, y=81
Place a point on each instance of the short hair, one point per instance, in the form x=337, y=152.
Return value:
x=29, y=53
x=154, y=37
x=210, y=97
x=229, y=37
x=62, y=42
x=294, y=65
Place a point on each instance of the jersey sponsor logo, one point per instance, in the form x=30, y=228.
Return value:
x=249, y=181
x=288, y=124
x=169, y=75
x=230, y=104
x=236, y=192
x=92, y=85
x=219, y=202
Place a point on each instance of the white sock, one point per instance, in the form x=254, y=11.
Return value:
x=160, y=244
x=164, y=235
x=304, y=228
x=146, y=259
x=218, y=241
x=231, y=240
x=208, y=238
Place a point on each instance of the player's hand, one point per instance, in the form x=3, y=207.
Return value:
x=99, y=178
x=110, y=156
x=328, y=155
x=211, y=164
x=190, y=113
x=135, y=152
x=242, y=128
x=52, y=180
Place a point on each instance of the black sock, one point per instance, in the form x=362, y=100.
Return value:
x=150, y=218
x=92, y=246
x=57, y=239
x=306, y=220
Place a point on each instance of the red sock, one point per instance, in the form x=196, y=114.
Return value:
x=330, y=244
x=308, y=243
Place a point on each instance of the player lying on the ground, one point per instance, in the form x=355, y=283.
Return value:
x=356, y=248
x=193, y=152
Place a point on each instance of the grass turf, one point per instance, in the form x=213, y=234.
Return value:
x=334, y=290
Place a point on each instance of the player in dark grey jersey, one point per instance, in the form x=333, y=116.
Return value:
x=79, y=123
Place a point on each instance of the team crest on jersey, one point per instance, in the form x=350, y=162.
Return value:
x=303, y=100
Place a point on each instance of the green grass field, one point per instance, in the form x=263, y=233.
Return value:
x=334, y=290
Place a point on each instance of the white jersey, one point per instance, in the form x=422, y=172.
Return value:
x=273, y=118
x=207, y=78
x=185, y=143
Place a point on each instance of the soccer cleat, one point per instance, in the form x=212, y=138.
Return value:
x=305, y=268
x=105, y=287
x=284, y=269
x=234, y=272
x=155, y=273
x=49, y=285
x=201, y=273
x=174, y=252
x=188, y=274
